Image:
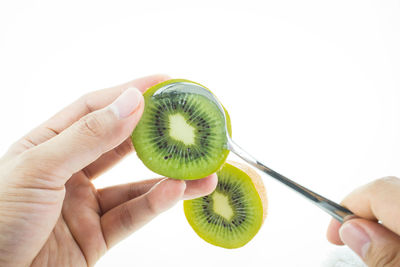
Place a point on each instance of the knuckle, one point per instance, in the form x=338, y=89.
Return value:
x=384, y=182
x=132, y=191
x=79, y=190
x=386, y=257
x=89, y=100
x=124, y=149
x=151, y=206
x=29, y=164
x=86, y=100
x=389, y=179
x=85, y=97
x=26, y=157
x=91, y=125
x=127, y=217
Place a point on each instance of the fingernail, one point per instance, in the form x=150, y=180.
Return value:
x=355, y=238
x=126, y=103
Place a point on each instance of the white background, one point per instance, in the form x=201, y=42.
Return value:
x=312, y=88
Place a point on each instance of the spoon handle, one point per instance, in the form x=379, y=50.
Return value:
x=337, y=211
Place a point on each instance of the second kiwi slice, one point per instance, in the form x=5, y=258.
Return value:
x=232, y=215
x=181, y=135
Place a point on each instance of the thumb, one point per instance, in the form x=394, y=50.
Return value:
x=375, y=244
x=85, y=140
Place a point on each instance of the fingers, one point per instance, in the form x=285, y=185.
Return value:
x=111, y=197
x=130, y=216
x=86, y=140
x=377, y=243
x=86, y=104
x=81, y=214
x=200, y=187
x=374, y=243
x=109, y=159
x=122, y=217
x=332, y=233
x=377, y=200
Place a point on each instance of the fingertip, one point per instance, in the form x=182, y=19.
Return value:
x=355, y=236
x=160, y=77
x=145, y=82
x=200, y=187
x=332, y=233
x=172, y=188
x=179, y=187
x=212, y=181
x=127, y=103
x=165, y=194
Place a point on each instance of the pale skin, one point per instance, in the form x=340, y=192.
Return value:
x=50, y=212
x=52, y=215
x=378, y=244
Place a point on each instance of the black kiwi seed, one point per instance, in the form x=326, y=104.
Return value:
x=184, y=161
x=216, y=224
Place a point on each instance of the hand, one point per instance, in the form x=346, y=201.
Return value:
x=50, y=212
x=378, y=244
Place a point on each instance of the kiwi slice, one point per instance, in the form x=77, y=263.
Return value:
x=232, y=215
x=181, y=135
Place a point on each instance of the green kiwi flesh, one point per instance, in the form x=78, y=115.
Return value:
x=181, y=135
x=232, y=215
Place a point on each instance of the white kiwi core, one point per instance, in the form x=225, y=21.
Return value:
x=180, y=130
x=222, y=206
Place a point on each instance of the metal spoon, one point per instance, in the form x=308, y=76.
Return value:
x=337, y=211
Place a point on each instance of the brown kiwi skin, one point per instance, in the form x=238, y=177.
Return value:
x=257, y=181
